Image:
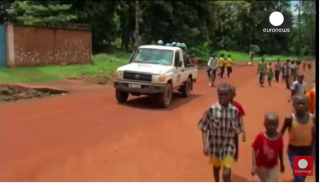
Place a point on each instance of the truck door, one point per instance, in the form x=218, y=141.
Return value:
x=177, y=79
x=183, y=70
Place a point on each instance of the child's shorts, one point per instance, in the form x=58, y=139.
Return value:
x=290, y=156
x=268, y=175
x=224, y=162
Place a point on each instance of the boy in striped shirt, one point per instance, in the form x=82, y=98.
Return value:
x=219, y=125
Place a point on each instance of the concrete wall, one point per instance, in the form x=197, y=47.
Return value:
x=34, y=45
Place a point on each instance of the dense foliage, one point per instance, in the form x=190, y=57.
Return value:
x=206, y=25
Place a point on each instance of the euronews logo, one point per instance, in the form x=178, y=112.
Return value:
x=276, y=24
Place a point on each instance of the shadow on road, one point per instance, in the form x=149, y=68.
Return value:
x=150, y=103
x=237, y=178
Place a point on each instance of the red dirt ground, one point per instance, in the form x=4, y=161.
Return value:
x=89, y=137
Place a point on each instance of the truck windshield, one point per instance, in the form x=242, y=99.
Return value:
x=153, y=56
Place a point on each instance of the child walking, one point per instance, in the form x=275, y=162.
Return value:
x=270, y=74
x=229, y=66
x=261, y=71
x=212, y=68
x=240, y=118
x=219, y=125
x=285, y=73
x=277, y=70
x=298, y=86
x=300, y=126
x=221, y=64
x=267, y=149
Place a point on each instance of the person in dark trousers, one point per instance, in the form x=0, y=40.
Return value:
x=286, y=73
x=293, y=70
x=228, y=63
x=309, y=65
x=221, y=64
x=262, y=70
x=277, y=70
x=270, y=73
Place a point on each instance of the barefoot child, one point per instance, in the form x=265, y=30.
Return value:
x=269, y=74
x=212, y=68
x=267, y=149
x=298, y=86
x=229, y=66
x=300, y=126
x=241, y=115
x=285, y=73
x=262, y=67
x=221, y=64
x=277, y=70
x=219, y=125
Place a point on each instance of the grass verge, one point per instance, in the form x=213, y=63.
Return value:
x=102, y=64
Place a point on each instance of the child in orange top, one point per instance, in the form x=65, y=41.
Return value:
x=311, y=94
x=300, y=127
x=229, y=65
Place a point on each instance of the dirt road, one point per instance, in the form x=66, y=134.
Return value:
x=89, y=137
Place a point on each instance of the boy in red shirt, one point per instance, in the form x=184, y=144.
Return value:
x=267, y=149
x=241, y=115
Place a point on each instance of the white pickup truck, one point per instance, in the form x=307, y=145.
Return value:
x=156, y=70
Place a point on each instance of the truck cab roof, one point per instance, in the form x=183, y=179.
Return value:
x=159, y=47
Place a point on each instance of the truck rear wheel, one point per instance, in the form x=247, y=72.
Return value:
x=186, y=88
x=121, y=96
x=166, y=97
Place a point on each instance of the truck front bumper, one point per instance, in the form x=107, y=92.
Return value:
x=144, y=89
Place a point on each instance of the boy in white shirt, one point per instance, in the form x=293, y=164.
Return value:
x=212, y=64
x=298, y=86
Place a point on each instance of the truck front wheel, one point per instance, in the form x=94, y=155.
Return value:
x=121, y=96
x=166, y=97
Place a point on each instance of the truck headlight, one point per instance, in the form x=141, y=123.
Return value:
x=118, y=74
x=160, y=78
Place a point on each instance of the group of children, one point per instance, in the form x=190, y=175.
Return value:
x=221, y=63
x=222, y=122
x=289, y=71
